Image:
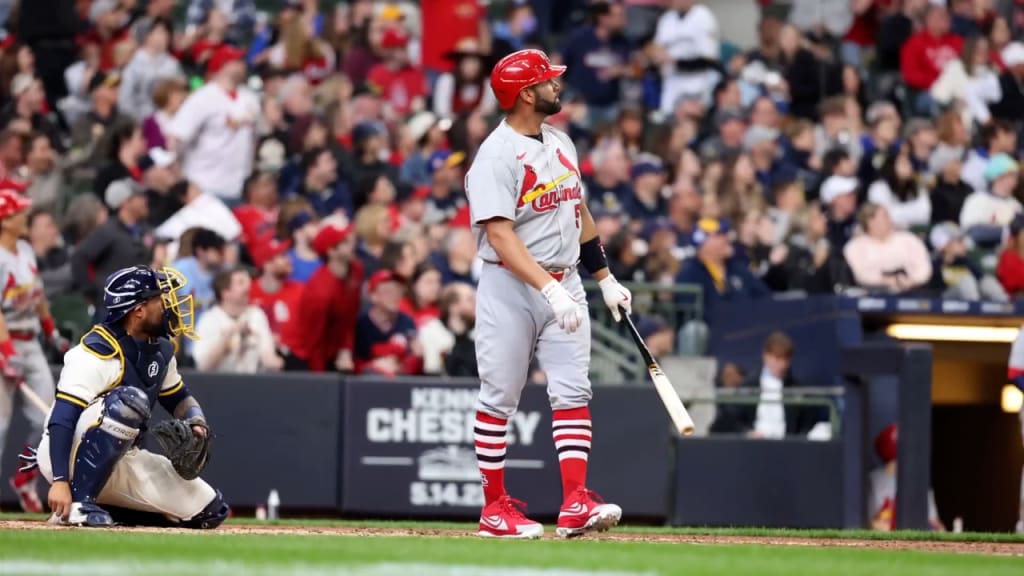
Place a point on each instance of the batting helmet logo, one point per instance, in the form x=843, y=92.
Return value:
x=518, y=71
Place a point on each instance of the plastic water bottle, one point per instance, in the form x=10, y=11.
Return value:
x=958, y=525
x=273, y=503
x=261, y=512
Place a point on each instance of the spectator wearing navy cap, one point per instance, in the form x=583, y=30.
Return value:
x=386, y=342
x=298, y=222
x=326, y=193
x=648, y=202
x=597, y=57
x=721, y=277
x=446, y=194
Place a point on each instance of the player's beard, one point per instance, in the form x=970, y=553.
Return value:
x=547, y=107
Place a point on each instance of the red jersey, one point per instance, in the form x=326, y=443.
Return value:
x=326, y=320
x=280, y=307
x=445, y=22
x=923, y=57
x=398, y=87
x=258, y=229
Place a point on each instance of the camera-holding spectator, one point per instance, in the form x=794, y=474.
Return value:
x=839, y=197
x=986, y=214
x=466, y=87
x=954, y=276
x=120, y=242
x=199, y=210
x=234, y=335
x=811, y=263
x=275, y=293
x=168, y=96
x=421, y=304
x=386, y=342
x=52, y=256
x=883, y=258
x=597, y=57
x=200, y=264
x=215, y=125
x=900, y=192
x=446, y=194
x=686, y=41
x=151, y=63
x=926, y=53
x=401, y=84
x=949, y=192
x=323, y=333
x=770, y=418
x=997, y=137
x=721, y=277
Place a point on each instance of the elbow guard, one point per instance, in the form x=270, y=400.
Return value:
x=592, y=256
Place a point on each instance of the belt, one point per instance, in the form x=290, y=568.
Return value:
x=556, y=274
x=23, y=335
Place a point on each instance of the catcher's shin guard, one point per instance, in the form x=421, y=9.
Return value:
x=125, y=410
x=212, y=516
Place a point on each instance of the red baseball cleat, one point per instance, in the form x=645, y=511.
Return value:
x=504, y=518
x=24, y=484
x=584, y=511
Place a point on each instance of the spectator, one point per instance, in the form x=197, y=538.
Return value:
x=448, y=342
x=52, y=255
x=597, y=57
x=837, y=132
x=120, y=242
x=608, y=187
x=808, y=77
x=258, y=217
x=27, y=102
x=151, y=63
x=424, y=129
x=276, y=294
x=199, y=210
x=446, y=194
x=238, y=15
x=466, y=87
x=997, y=137
x=459, y=263
x=739, y=191
x=949, y=192
x=648, y=202
x=721, y=277
x=839, y=197
x=517, y=31
x=459, y=21
x=886, y=259
x=900, y=193
x=124, y=149
x=986, y=214
x=386, y=342
x=214, y=130
x=771, y=418
x=954, y=276
x=686, y=41
x=810, y=262
x=369, y=141
x=108, y=32
x=1008, y=107
x=300, y=225
x=658, y=335
x=44, y=174
x=300, y=51
x=421, y=304
x=970, y=81
x=155, y=11
x=199, y=263
x=830, y=19
x=926, y=53
x=761, y=143
x=85, y=213
x=323, y=334
x=402, y=85
x=321, y=187
x=372, y=228
x=234, y=335
x=168, y=96
x=160, y=172
x=730, y=127
x=881, y=141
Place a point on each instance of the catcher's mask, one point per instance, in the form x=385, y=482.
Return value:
x=179, y=313
x=132, y=287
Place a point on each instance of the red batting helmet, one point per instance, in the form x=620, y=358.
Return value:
x=520, y=70
x=886, y=442
x=12, y=202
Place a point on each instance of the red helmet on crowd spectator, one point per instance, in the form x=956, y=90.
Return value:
x=518, y=71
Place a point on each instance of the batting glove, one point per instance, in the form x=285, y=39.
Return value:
x=567, y=311
x=53, y=336
x=10, y=369
x=616, y=295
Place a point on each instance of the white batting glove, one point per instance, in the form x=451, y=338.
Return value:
x=567, y=311
x=616, y=295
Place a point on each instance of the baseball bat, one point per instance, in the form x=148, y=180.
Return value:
x=33, y=398
x=669, y=397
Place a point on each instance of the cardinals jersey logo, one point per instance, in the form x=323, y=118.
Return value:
x=549, y=195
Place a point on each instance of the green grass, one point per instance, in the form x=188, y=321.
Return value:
x=114, y=553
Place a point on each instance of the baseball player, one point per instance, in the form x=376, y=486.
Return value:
x=23, y=314
x=110, y=383
x=533, y=229
x=1015, y=373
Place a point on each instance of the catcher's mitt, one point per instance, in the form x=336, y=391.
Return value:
x=187, y=451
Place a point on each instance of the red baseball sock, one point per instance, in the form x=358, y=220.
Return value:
x=489, y=439
x=571, y=431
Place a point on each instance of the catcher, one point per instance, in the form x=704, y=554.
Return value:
x=90, y=451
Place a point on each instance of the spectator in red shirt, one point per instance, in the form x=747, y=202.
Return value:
x=276, y=294
x=445, y=22
x=421, y=304
x=927, y=52
x=323, y=333
x=258, y=216
x=1010, y=270
x=386, y=342
x=401, y=84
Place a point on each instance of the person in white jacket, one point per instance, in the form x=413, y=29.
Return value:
x=970, y=80
x=986, y=214
x=151, y=63
x=899, y=191
x=886, y=259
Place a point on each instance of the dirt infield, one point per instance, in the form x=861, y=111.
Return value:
x=993, y=548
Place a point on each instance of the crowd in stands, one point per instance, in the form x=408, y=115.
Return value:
x=303, y=167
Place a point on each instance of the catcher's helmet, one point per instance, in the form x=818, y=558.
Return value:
x=129, y=288
x=520, y=70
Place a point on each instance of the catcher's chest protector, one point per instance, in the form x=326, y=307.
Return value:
x=144, y=364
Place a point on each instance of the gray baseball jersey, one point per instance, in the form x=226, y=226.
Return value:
x=536, y=185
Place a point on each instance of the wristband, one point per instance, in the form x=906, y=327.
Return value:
x=592, y=256
x=194, y=412
x=7, y=349
x=48, y=325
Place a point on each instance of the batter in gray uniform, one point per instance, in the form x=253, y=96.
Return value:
x=533, y=229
